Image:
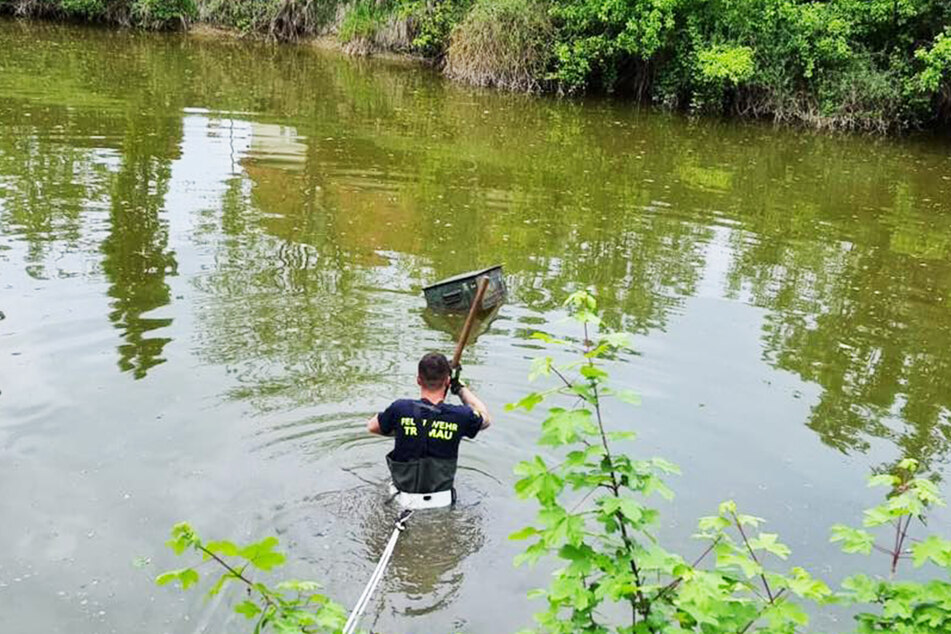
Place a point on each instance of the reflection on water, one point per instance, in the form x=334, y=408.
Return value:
x=136, y=252
x=452, y=323
x=248, y=229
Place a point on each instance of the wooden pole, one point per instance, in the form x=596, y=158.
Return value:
x=482, y=284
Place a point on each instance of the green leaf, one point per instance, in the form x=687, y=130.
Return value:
x=932, y=548
x=628, y=508
x=581, y=557
x=531, y=554
x=540, y=367
x=249, y=609
x=223, y=548
x=525, y=533
x=927, y=491
x=665, y=466
x=538, y=481
x=185, y=576
x=803, y=584
x=527, y=403
x=853, y=540
x=908, y=464
x=884, y=479
x=261, y=555
x=749, y=520
x=653, y=484
x=563, y=427
x=222, y=580
x=183, y=536
x=593, y=372
x=188, y=578
x=864, y=589
x=769, y=543
x=631, y=510
x=584, y=391
x=166, y=577
x=727, y=508
x=728, y=558
x=876, y=516
x=617, y=340
x=782, y=613
x=544, y=336
x=713, y=523
x=582, y=300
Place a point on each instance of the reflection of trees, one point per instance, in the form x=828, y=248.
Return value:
x=64, y=109
x=863, y=317
x=136, y=256
x=291, y=316
x=45, y=182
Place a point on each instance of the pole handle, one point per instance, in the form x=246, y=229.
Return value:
x=482, y=285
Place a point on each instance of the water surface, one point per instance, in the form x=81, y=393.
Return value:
x=211, y=255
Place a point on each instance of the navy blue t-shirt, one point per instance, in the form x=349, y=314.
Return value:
x=425, y=430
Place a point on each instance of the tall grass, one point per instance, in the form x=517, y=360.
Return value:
x=502, y=43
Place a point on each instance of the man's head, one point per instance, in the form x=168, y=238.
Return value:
x=434, y=372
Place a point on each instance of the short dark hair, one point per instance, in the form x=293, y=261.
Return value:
x=433, y=370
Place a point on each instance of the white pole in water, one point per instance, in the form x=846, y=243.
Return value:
x=377, y=575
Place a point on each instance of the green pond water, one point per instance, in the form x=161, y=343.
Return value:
x=211, y=261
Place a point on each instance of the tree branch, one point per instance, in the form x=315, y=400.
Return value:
x=736, y=520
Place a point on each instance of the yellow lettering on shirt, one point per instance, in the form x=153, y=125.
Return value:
x=443, y=430
x=409, y=426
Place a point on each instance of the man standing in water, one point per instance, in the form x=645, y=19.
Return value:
x=427, y=433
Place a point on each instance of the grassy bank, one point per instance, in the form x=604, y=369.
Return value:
x=879, y=65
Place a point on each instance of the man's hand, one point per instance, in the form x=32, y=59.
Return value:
x=456, y=385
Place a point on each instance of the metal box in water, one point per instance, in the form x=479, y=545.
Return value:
x=455, y=294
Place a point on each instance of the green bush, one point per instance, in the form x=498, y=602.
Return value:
x=89, y=9
x=936, y=74
x=434, y=21
x=159, y=14
x=789, y=58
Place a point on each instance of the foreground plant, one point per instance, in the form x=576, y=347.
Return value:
x=290, y=606
x=596, y=520
x=903, y=607
x=595, y=517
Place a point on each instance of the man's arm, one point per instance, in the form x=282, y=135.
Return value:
x=373, y=425
x=469, y=398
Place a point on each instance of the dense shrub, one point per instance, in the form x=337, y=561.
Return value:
x=153, y=14
x=850, y=63
x=433, y=22
x=504, y=43
x=163, y=13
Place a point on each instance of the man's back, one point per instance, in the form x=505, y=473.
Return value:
x=427, y=438
x=428, y=430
